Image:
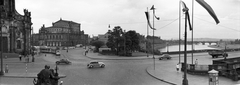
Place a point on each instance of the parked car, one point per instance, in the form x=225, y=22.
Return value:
x=95, y=64
x=165, y=56
x=65, y=61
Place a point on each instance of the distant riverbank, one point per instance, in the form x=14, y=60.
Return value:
x=230, y=46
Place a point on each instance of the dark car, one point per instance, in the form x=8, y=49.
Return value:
x=64, y=61
x=165, y=56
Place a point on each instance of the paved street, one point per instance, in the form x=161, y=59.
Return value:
x=118, y=71
x=170, y=75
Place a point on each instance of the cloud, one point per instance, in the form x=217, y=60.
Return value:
x=129, y=14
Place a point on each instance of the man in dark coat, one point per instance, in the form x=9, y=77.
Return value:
x=45, y=75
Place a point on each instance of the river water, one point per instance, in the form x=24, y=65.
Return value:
x=189, y=47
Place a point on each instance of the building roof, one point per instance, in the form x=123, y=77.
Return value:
x=66, y=21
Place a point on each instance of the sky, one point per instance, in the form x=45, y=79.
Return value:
x=95, y=16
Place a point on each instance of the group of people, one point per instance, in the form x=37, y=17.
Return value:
x=47, y=76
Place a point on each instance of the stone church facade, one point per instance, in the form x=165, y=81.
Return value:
x=62, y=33
x=15, y=28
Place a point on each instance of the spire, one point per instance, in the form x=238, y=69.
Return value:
x=43, y=26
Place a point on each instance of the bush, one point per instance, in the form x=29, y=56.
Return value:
x=107, y=52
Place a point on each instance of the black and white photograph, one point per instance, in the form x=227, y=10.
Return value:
x=119, y=42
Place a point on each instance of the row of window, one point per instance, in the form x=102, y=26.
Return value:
x=54, y=44
x=52, y=36
x=59, y=30
x=58, y=37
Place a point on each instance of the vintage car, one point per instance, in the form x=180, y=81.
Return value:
x=58, y=53
x=64, y=61
x=165, y=56
x=95, y=64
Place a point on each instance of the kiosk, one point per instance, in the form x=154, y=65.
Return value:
x=213, y=77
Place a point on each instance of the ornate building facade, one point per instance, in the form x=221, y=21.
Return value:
x=62, y=33
x=15, y=28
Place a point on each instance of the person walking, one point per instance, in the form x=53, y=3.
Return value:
x=20, y=57
x=177, y=67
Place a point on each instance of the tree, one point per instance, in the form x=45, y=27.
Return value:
x=97, y=44
x=132, y=41
x=115, y=38
x=122, y=42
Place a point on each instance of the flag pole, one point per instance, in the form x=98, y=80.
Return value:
x=179, y=31
x=153, y=35
x=146, y=37
x=192, y=29
x=185, y=10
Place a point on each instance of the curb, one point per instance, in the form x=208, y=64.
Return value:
x=30, y=75
x=158, y=78
x=114, y=58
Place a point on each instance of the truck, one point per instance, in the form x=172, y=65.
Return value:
x=216, y=53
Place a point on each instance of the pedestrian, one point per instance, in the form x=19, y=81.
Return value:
x=177, y=67
x=85, y=52
x=20, y=57
x=28, y=58
x=196, y=62
x=54, y=79
x=44, y=76
x=6, y=68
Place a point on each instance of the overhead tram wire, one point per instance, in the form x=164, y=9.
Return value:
x=141, y=22
x=168, y=23
x=219, y=25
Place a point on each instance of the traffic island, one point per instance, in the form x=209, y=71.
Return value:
x=168, y=74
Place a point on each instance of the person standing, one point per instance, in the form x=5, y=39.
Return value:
x=196, y=62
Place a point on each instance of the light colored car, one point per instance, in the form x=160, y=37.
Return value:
x=65, y=61
x=95, y=64
x=165, y=56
